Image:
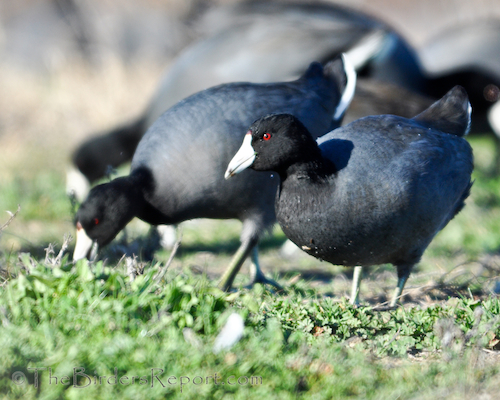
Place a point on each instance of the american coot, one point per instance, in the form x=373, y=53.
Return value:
x=177, y=170
x=247, y=42
x=374, y=191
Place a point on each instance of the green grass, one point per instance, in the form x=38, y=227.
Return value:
x=300, y=344
x=41, y=197
x=91, y=321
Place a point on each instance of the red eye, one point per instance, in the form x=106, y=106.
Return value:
x=266, y=136
x=96, y=221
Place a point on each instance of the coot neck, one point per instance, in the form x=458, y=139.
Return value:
x=309, y=169
x=141, y=187
x=143, y=190
x=131, y=196
x=305, y=187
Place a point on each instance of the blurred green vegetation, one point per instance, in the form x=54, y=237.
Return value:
x=93, y=320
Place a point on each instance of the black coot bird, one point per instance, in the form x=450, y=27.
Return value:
x=248, y=42
x=177, y=169
x=374, y=191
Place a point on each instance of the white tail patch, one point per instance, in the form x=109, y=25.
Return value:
x=494, y=117
x=367, y=48
x=469, y=117
x=77, y=184
x=349, y=90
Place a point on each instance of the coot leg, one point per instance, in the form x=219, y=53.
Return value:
x=256, y=274
x=403, y=274
x=356, y=281
x=168, y=236
x=226, y=282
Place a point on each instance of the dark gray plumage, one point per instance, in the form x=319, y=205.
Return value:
x=374, y=191
x=249, y=41
x=257, y=41
x=177, y=170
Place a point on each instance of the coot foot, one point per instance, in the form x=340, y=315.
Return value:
x=256, y=274
x=226, y=281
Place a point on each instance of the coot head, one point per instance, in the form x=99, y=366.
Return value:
x=274, y=143
x=105, y=212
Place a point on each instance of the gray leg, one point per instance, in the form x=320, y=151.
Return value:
x=403, y=275
x=256, y=274
x=168, y=236
x=356, y=281
x=226, y=281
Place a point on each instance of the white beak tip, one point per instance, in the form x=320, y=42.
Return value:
x=83, y=243
x=242, y=159
x=229, y=173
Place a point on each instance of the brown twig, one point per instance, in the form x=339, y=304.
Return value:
x=49, y=251
x=12, y=216
x=66, y=241
x=393, y=338
x=163, y=270
x=131, y=263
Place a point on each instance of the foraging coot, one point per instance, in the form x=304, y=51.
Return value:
x=258, y=41
x=177, y=170
x=248, y=42
x=374, y=191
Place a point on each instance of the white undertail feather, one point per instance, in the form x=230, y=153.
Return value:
x=367, y=48
x=350, y=87
x=76, y=184
x=469, y=118
x=494, y=117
